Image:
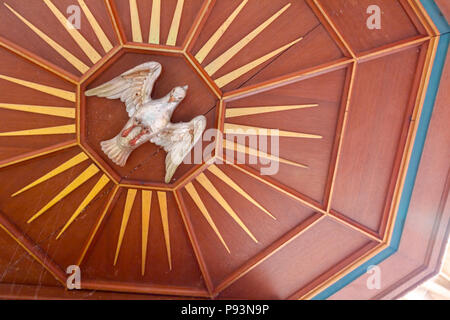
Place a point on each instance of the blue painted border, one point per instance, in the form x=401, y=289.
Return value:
x=430, y=98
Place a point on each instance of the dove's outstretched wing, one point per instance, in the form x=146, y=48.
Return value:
x=133, y=87
x=178, y=139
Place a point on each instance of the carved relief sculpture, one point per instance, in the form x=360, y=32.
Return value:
x=149, y=119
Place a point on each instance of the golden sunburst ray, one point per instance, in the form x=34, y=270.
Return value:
x=209, y=45
x=201, y=206
x=101, y=36
x=79, y=158
x=146, y=208
x=101, y=183
x=59, y=93
x=84, y=45
x=233, y=75
x=162, y=199
x=131, y=195
x=236, y=128
x=47, y=110
x=77, y=182
x=135, y=22
x=74, y=61
x=219, y=62
x=175, y=26
x=248, y=111
x=155, y=22
x=222, y=176
x=68, y=129
x=229, y=145
x=212, y=190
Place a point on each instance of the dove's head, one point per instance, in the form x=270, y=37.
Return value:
x=178, y=94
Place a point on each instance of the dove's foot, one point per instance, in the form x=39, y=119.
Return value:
x=135, y=140
x=126, y=132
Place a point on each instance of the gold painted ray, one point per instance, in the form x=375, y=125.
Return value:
x=222, y=176
x=74, y=61
x=209, y=45
x=162, y=199
x=146, y=207
x=78, y=181
x=101, y=183
x=131, y=195
x=239, y=112
x=63, y=94
x=198, y=201
x=47, y=110
x=219, y=62
x=204, y=181
x=101, y=36
x=87, y=48
x=258, y=153
x=229, y=77
x=235, y=128
x=175, y=26
x=79, y=158
x=41, y=131
x=135, y=22
x=155, y=22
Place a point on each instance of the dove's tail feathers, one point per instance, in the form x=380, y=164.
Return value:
x=117, y=154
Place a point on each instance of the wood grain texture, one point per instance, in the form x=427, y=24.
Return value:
x=444, y=6
x=311, y=253
x=295, y=21
x=226, y=231
x=35, y=13
x=350, y=18
x=26, y=270
x=324, y=90
x=44, y=230
x=372, y=136
x=288, y=213
x=425, y=233
x=12, y=67
x=98, y=264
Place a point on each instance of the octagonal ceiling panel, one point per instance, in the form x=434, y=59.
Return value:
x=103, y=120
x=345, y=102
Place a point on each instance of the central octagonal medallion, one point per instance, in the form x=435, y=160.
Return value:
x=102, y=119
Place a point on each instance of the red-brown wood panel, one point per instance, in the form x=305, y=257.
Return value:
x=350, y=18
x=315, y=49
x=19, y=209
x=380, y=104
x=99, y=263
x=298, y=20
x=324, y=90
x=288, y=213
x=40, y=15
x=444, y=6
x=12, y=93
x=425, y=233
x=18, y=267
x=305, y=258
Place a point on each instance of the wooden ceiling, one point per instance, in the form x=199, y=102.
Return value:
x=347, y=101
